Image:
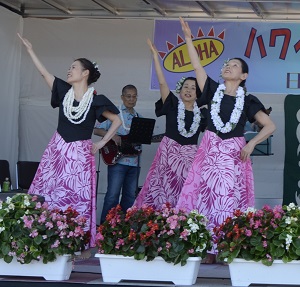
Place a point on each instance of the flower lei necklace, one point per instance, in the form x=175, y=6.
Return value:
x=122, y=119
x=181, y=122
x=74, y=113
x=236, y=113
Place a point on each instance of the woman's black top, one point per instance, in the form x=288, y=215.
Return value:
x=73, y=132
x=251, y=106
x=170, y=109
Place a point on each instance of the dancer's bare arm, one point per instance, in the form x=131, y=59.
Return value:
x=201, y=75
x=163, y=86
x=49, y=78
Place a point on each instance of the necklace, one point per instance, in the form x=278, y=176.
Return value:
x=122, y=119
x=181, y=122
x=236, y=112
x=74, y=113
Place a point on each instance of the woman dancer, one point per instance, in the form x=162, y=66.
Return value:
x=221, y=177
x=66, y=174
x=179, y=145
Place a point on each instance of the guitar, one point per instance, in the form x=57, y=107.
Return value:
x=111, y=152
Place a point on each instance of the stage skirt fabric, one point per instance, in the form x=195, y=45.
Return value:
x=66, y=177
x=218, y=181
x=167, y=174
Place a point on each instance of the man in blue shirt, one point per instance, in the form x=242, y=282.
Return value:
x=122, y=174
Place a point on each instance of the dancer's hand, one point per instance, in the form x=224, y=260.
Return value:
x=98, y=145
x=185, y=28
x=152, y=47
x=25, y=42
x=246, y=151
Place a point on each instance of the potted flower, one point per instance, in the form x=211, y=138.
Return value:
x=170, y=238
x=31, y=233
x=267, y=239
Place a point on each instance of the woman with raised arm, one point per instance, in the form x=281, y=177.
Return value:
x=184, y=122
x=221, y=177
x=66, y=174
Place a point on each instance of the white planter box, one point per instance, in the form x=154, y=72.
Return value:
x=116, y=268
x=60, y=269
x=244, y=273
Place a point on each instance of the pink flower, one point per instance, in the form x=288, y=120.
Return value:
x=269, y=257
x=173, y=221
x=42, y=219
x=257, y=224
x=120, y=242
x=55, y=245
x=49, y=225
x=28, y=220
x=34, y=233
x=38, y=205
x=184, y=234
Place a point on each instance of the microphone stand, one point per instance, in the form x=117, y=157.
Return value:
x=138, y=173
x=98, y=172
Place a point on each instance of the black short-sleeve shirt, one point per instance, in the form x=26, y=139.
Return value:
x=251, y=106
x=73, y=132
x=170, y=109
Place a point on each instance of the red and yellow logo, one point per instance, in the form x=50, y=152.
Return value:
x=209, y=48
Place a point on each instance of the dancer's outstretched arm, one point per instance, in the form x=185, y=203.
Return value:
x=49, y=78
x=163, y=86
x=201, y=75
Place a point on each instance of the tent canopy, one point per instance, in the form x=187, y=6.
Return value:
x=273, y=10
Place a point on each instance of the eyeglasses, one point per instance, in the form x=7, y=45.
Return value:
x=128, y=97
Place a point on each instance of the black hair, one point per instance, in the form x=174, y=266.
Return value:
x=198, y=91
x=94, y=71
x=245, y=69
x=128, y=87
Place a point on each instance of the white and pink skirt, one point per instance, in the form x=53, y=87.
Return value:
x=218, y=181
x=66, y=177
x=167, y=174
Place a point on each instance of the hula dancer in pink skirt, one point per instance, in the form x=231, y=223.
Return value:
x=184, y=122
x=66, y=174
x=221, y=178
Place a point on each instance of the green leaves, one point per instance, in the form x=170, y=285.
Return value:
x=5, y=248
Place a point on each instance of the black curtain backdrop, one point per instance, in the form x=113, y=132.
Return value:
x=291, y=176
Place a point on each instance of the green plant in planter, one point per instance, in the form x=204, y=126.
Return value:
x=261, y=235
x=29, y=231
x=148, y=233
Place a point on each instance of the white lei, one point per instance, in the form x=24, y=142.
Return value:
x=74, y=113
x=122, y=119
x=181, y=122
x=236, y=112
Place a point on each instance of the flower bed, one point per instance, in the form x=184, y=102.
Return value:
x=29, y=231
x=146, y=233
x=261, y=235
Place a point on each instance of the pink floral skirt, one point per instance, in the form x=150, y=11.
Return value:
x=167, y=174
x=218, y=181
x=66, y=177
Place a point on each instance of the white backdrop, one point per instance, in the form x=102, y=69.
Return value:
x=10, y=54
x=120, y=49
